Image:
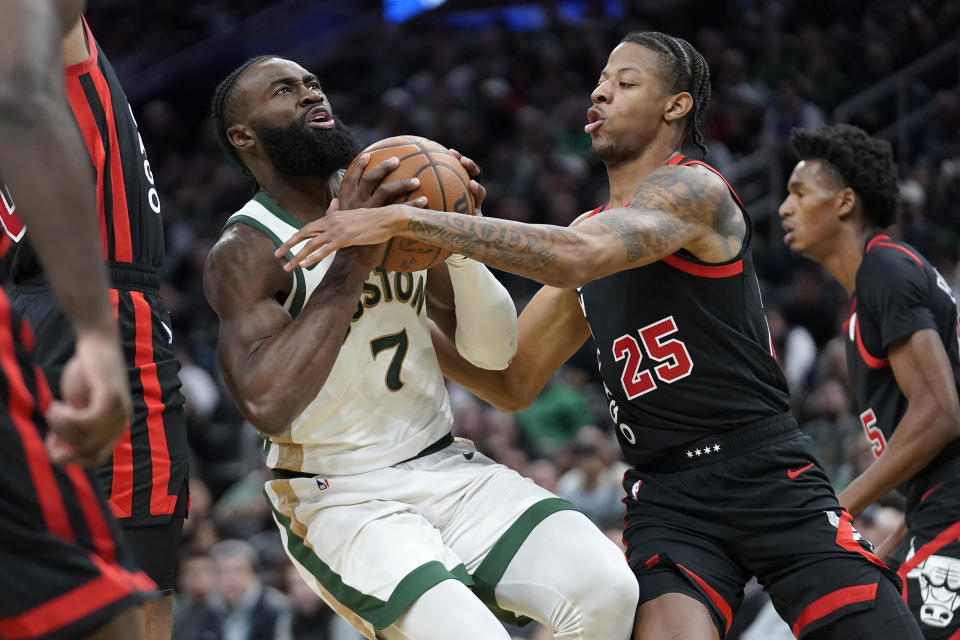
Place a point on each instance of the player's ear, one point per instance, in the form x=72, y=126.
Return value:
x=241, y=136
x=678, y=105
x=846, y=203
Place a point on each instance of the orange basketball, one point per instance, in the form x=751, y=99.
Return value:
x=443, y=181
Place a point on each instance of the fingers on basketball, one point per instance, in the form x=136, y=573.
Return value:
x=443, y=181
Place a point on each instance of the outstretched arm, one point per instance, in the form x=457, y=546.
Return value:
x=674, y=207
x=931, y=421
x=550, y=329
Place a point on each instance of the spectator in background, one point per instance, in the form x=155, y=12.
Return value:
x=833, y=428
x=312, y=618
x=193, y=616
x=593, y=483
x=247, y=609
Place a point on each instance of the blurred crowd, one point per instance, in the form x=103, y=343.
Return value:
x=515, y=101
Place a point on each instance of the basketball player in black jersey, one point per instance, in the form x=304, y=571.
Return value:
x=63, y=573
x=723, y=485
x=902, y=339
x=145, y=479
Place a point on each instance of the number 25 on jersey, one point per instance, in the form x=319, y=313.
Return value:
x=671, y=354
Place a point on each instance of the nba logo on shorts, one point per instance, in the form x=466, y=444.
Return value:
x=636, y=489
x=323, y=483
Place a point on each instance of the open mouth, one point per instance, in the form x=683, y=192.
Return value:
x=594, y=120
x=320, y=117
x=788, y=234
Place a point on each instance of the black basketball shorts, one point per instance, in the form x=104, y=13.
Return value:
x=928, y=559
x=766, y=510
x=64, y=571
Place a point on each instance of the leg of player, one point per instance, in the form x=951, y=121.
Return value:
x=158, y=618
x=127, y=625
x=448, y=610
x=674, y=615
x=889, y=618
x=570, y=577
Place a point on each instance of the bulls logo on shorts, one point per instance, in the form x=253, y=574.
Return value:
x=939, y=578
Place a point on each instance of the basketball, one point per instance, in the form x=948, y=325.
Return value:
x=443, y=181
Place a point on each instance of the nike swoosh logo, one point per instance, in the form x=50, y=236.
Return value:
x=793, y=474
x=468, y=456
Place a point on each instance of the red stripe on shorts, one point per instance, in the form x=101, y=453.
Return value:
x=21, y=406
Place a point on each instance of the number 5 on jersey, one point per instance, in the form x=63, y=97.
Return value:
x=869, y=421
x=675, y=362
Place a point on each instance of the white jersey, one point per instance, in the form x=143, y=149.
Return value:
x=384, y=400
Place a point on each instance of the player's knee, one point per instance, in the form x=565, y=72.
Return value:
x=606, y=596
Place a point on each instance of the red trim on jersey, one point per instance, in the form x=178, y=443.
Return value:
x=688, y=163
x=122, y=241
x=715, y=598
x=704, y=270
x=91, y=138
x=846, y=323
x=846, y=540
x=160, y=501
x=822, y=607
x=121, y=487
x=652, y=561
x=100, y=533
x=926, y=494
x=677, y=159
x=903, y=249
x=876, y=239
x=602, y=207
x=873, y=363
x=886, y=241
x=85, y=66
x=945, y=537
x=21, y=406
x=114, y=583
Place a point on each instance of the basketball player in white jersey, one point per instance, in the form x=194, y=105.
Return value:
x=404, y=531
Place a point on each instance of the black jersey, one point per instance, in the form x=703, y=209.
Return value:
x=146, y=477
x=897, y=294
x=131, y=230
x=684, y=349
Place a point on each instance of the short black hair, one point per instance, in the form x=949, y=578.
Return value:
x=684, y=69
x=863, y=163
x=222, y=104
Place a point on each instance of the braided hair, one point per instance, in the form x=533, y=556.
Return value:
x=683, y=69
x=224, y=100
x=857, y=161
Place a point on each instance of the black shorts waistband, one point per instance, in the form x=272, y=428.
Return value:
x=442, y=443
x=727, y=444
x=123, y=275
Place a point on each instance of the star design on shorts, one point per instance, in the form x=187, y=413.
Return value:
x=689, y=454
x=716, y=447
x=698, y=452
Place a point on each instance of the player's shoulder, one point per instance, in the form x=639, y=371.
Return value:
x=889, y=265
x=886, y=256
x=241, y=261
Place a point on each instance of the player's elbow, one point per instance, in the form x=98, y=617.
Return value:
x=949, y=421
x=577, y=268
x=270, y=418
x=512, y=399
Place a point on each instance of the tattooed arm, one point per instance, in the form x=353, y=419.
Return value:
x=673, y=208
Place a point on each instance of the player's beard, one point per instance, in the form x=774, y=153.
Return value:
x=298, y=150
